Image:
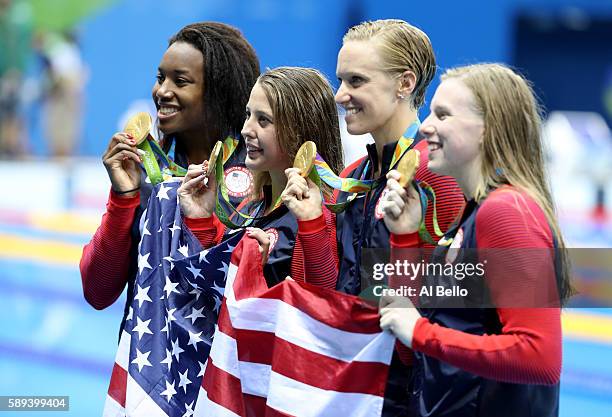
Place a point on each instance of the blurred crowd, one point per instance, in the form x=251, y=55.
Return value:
x=42, y=77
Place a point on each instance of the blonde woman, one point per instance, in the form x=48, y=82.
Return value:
x=501, y=359
x=384, y=68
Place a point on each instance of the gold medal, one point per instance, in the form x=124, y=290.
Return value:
x=139, y=126
x=305, y=158
x=407, y=166
x=214, y=155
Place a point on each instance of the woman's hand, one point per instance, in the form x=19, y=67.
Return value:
x=264, y=242
x=399, y=316
x=401, y=207
x=122, y=163
x=302, y=196
x=198, y=192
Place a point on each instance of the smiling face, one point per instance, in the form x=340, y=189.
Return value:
x=178, y=91
x=454, y=131
x=367, y=92
x=263, y=150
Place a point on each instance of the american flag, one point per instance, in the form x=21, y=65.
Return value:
x=169, y=329
x=292, y=350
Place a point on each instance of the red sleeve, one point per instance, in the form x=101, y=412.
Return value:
x=449, y=197
x=317, y=238
x=208, y=230
x=406, y=241
x=105, y=261
x=528, y=350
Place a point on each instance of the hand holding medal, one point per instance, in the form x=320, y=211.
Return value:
x=302, y=194
x=407, y=167
x=139, y=128
x=305, y=158
x=198, y=192
x=402, y=205
x=122, y=162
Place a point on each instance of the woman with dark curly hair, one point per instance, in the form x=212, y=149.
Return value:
x=203, y=83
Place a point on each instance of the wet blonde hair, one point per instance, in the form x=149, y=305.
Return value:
x=401, y=47
x=512, y=149
x=303, y=108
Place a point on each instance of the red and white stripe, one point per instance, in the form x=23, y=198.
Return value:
x=292, y=350
x=125, y=397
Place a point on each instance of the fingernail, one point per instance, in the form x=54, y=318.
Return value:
x=133, y=142
x=141, y=152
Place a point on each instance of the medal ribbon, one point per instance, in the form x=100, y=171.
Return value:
x=152, y=153
x=323, y=172
x=355, y=186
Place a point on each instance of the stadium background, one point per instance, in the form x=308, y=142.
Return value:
x=53, y=343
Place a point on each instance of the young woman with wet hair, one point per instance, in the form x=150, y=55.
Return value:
x=501, y=358
x=384, y=68
x=287, y=107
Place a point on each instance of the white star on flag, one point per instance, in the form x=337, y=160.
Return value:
x=171, y=317
x=170, y=260
x=165, y=329
x=169, y=391
x=142, y=327
x=202, y=368
x=196, y=292
x=195, y=314
x=143, y=295
x=168, y=359
x=142, y=359
x=217, y=302
x=176, y=349
x=188, y=410
x=145, y=230
x=194, y=271
x=184, y=380
x=194, y=338
x=170, y=287
x=143, y=262
x=184, y=250
x=174, y=228
x=223, y=267
x=203, y=256
x=216, y=288
x=163, y=193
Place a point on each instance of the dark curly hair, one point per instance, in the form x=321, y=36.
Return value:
x=231, y=68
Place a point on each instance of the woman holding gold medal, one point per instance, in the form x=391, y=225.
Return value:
x=384, y=68
x=502, y=358
x=203, y=83
x=288, y=106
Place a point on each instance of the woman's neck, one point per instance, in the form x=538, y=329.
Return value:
x=469, y=180
x=392, y=130
x=197, y=149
